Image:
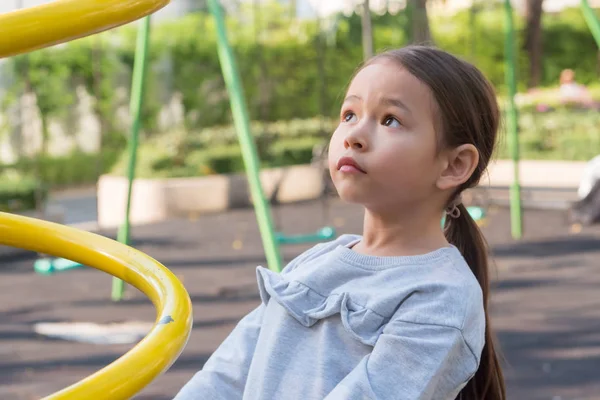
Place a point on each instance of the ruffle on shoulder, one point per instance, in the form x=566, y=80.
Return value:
x=308, y=306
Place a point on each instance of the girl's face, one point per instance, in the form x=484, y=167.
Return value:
x=384, y=153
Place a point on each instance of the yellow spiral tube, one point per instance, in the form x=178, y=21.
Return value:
x=61, y=21
x=154, y=354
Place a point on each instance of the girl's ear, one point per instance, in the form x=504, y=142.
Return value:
x=459, y=164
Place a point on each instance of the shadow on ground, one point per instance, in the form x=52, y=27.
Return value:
x=545, y=307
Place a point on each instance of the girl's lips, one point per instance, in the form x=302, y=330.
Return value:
x=350, y=169
x=349, y=165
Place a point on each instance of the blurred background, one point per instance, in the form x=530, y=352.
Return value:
x=64, y=110
x=65, y=123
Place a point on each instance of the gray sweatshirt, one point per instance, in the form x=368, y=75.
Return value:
x=339, y=325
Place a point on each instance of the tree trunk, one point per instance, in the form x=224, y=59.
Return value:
x=263, y=80
x=367, y=31
x=472, y=38
x=533, y=40
x=420, y=22
x=97, y=55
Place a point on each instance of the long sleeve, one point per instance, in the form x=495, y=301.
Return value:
x=411, y=361
x=224, y=375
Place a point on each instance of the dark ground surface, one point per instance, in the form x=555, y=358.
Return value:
x=545, y=307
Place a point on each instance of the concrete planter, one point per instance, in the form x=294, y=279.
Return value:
x=154, y=200
x=536, y=174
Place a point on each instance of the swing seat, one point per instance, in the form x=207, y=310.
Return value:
x=49, y=266
x=323, y=234
x=477, y=213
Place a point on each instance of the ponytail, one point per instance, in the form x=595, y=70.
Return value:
x=462, y=231
x=468, y=113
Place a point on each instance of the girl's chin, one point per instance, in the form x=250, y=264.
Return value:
x=351, y=195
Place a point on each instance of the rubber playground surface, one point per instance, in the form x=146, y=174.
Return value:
x=545, y=307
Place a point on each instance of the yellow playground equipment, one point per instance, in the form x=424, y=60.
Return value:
x=58, y=22
x=160, y=348
x=61, y=21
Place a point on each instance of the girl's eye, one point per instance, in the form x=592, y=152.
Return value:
x=349, y=117
x=391, y=122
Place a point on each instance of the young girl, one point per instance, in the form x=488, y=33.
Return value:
x=399, y=312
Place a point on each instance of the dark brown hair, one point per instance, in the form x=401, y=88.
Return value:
x=468, y=113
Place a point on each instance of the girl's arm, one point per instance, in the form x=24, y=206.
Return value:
x=224, y=375
x=411, y=361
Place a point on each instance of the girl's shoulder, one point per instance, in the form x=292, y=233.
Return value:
x=370, y=292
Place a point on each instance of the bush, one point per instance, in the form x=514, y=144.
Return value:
x=560, y=134
x=20, y=194
x=291, y=77
x=75, y=169
x=217, y=151
x=541, y=99
x=295, y=72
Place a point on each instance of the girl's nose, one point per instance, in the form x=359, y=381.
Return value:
x=356, y=141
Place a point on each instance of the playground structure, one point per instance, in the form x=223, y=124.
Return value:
x=161, y=347
x=126, y=264
x=545, y=309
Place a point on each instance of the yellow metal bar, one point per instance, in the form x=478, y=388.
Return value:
x=61, y=21
x=160, y=348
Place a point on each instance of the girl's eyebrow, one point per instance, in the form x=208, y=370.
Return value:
x=352, y=97
x=387, y=101
x=396, y=103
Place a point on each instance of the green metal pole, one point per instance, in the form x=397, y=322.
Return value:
x=135, y=109
x=512, y=122
x=592, y=20
x=249, y=153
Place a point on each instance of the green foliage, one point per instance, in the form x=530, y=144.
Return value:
x=41, y=74
x=216, y=150
x=568, y=43
x=99, y=71
x=290, y=69
x=75, y=169
x=19, y=193
x=548, y=98
x=561, y=134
